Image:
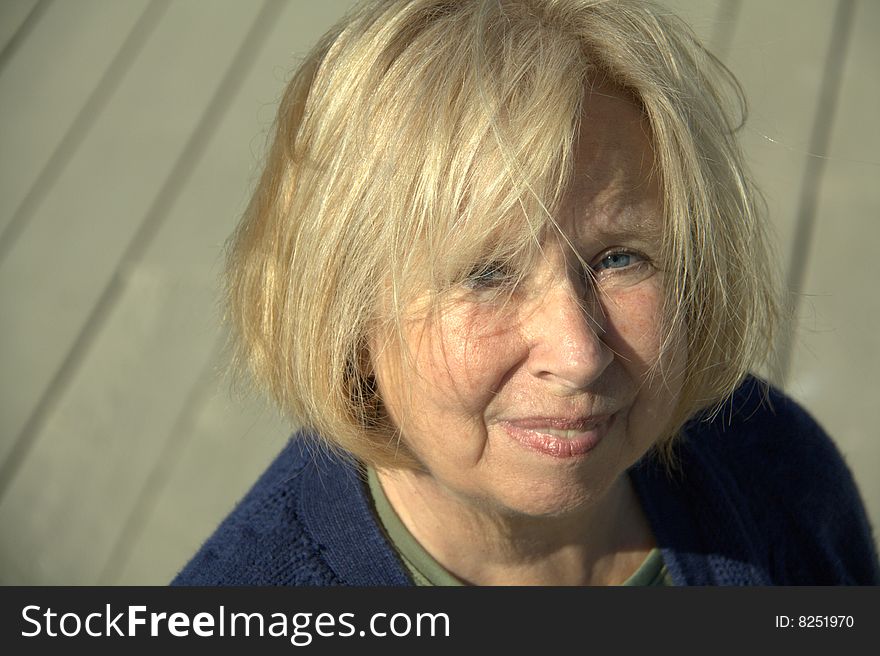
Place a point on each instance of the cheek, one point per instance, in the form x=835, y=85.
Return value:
x=634, y=325
x=455, y=366
x=441, y=396
x=635, y=330
x=469, y=355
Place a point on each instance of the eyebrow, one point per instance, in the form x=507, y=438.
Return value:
x=626, y=225
x=637, y=231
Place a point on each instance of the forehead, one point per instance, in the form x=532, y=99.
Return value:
x=614, y=187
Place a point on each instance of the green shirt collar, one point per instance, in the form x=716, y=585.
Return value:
x=426, y=571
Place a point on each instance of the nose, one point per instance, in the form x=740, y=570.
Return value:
x=565, y=329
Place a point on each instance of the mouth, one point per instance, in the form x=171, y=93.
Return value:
x=559, y=437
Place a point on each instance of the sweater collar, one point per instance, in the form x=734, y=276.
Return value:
x=703, y=542
x=338, y=513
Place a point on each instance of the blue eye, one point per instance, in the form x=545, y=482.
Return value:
x=617, y=260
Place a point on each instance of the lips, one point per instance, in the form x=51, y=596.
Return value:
x=559, y=437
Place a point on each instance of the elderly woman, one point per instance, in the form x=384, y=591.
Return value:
x=507, y=269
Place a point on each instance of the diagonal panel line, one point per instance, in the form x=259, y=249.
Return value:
x=163, y=468
x=86, y=118
x=149, y=226
x=811, y=183
x=22, y=32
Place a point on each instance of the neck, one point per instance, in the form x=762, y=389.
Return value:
x=600, y=544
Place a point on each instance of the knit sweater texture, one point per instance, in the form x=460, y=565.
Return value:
x=760, y=496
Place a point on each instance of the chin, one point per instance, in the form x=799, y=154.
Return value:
x=553, y=499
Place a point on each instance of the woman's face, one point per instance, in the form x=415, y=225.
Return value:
x=536, y=404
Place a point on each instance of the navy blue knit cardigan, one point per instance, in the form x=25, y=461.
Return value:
x=762, y=497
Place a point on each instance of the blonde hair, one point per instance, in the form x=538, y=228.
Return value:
x=418, y=131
